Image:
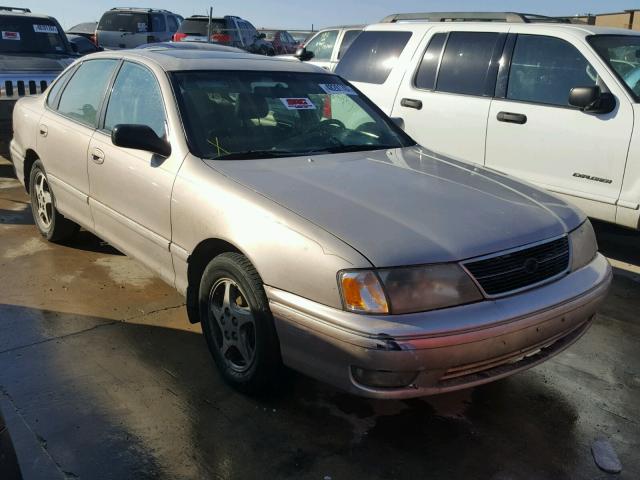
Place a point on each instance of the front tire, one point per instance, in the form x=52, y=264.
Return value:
x=238, y=325
x=51, y=224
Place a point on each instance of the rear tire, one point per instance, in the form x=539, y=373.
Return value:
x=51, y=224
x=238, y=325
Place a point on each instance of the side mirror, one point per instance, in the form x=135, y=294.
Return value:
x=303, y=55
x=592, y=99
x=399, y=121
x=140, y=137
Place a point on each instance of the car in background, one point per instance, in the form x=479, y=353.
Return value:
x=282, y=41
x=326, y=48
x=33, y=51
x=329, y=242
x=130, y=27
x=86, y=29
x=82, y=45
x=9, y=467
x=552, y=103
x=229, y=30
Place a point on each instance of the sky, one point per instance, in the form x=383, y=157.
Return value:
x=302, y=14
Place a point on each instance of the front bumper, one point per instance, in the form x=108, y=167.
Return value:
x=450, y=349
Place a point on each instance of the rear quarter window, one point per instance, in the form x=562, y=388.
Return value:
x=372, y=56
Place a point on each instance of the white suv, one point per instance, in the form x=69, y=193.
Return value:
x=552, y=103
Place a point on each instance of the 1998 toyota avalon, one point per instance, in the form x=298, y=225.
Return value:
x=303, y=226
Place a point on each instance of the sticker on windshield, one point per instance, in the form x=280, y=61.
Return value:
x=298, y=103
x=45, y=29
x=142, y=27
x=337, y=88
x=10, y=35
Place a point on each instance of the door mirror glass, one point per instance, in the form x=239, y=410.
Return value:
x=591, y=99
x=139, y=137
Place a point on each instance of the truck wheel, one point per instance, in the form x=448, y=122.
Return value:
x=238, y=324
x=51, y=224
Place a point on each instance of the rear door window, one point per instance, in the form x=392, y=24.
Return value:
x=131, y=22
x=465, y=62
x=372, y=56
x=83, y=94
x=322, y=45
x=347, y=39
x=545, y=69
x=157, y=23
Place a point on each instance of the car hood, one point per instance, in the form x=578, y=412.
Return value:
x=13, y=62
x=408, y=206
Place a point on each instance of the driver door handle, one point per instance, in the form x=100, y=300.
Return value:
x=411, y=103
x=43, y=130
x=510, y=117
x=97, y=156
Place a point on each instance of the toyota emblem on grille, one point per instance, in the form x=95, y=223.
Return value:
x=530, y=265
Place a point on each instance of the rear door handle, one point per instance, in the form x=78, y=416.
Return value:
x=411, y=103
x=510, y=117
x=97, y=156
x=43, y=130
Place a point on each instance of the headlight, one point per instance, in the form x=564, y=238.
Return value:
x=408, y=289
x=583, y=245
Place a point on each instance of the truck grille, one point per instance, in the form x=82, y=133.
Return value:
x=505, y=273
x=22, y=87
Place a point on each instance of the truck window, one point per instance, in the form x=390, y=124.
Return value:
x=322, y=45
x=465, y=62
x=545, y=69
x=30, y=35
x=347, y=39
x=372, y=56
x=426, y=76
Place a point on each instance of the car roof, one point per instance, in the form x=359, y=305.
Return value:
x=576, y=28
x=176, y=59
x=18, y=13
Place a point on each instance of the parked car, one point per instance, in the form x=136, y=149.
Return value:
x=82, y=45
x=325, y=240
x=33, y=51
x=86, y=29
x=553, y=104
x=326, y=48
x=281, y=41
x=9, y=467
x=229, y=30
x=130, y=27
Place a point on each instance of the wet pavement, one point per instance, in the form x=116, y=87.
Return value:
x=102, y=377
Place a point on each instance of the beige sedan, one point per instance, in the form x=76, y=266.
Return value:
x=304, y=227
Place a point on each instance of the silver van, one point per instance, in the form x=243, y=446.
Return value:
x=132, y=27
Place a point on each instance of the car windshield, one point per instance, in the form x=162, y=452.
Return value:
x=242, y=114
x=30, y=35
x=622, y=53
x=131, y=22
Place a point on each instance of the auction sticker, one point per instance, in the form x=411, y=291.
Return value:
x=337, y=88
x=45, y=28
x=10, y=35
x=298, y=103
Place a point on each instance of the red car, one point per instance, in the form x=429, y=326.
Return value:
x=282, y=41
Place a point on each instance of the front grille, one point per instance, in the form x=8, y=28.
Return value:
x=516, y=270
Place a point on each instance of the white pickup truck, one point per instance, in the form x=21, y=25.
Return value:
x=551, y=103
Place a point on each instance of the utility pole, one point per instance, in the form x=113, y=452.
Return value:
x=209, y=25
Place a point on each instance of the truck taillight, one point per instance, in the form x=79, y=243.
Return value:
x=221, y=38
x=94, y=39
x=178, y=37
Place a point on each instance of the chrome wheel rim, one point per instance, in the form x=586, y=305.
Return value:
x=233, y=325
x=44, y=201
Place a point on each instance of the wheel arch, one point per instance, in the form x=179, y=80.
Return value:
x=30, y=157
x=200, y=257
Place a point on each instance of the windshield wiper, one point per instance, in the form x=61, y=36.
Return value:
x=250, y=154
x=351, y=148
